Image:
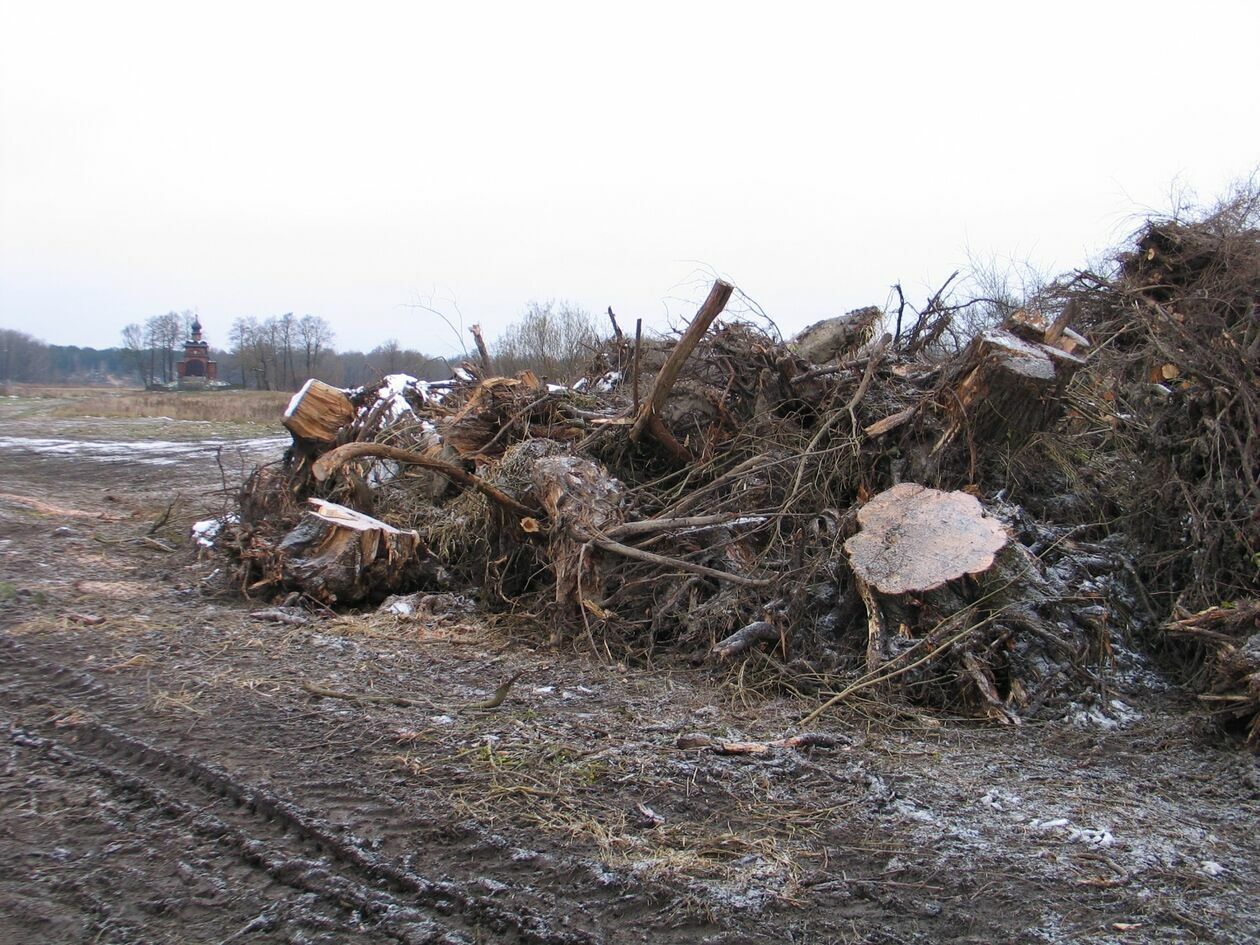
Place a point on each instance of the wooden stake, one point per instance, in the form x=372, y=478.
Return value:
x=487, y=366
x=1061, y=324
x=638, y=344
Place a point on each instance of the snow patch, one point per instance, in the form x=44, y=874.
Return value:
x=205, y=531
x=398, y=392
x=297, y=399
x=1114, y=715
x=606, y=383
x=912, y=811
x=135, y=452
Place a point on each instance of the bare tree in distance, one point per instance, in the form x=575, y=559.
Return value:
x=133, y=345
x=161, y=335
x=553, y=339
x=316, y=335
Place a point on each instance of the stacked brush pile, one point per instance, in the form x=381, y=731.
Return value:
x=982, y=521
x=1177, y=378
x=835, y=507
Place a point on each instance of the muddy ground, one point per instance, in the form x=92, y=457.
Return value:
x=169, y=776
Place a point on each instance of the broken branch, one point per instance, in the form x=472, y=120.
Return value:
x=332, y=461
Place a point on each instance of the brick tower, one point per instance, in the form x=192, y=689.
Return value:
x=196, y=368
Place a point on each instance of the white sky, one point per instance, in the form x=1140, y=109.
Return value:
x=348, y=159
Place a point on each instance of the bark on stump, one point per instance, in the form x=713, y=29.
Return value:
x=1009, y=388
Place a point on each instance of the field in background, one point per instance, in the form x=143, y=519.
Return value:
x=241, y=406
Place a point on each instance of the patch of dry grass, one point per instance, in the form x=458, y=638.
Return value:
x=59, y=392
x=242, y=406
x=535, y=773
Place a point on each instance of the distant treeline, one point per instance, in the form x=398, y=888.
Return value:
x=556, y=340
x=261, y=364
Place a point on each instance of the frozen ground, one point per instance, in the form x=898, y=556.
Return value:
x=171, y=775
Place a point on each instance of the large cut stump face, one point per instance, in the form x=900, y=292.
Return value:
x=914, y=539
x=318, y=412
x=336, y=554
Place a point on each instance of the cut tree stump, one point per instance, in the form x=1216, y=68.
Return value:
x=317, y=412
x=1010, y=388
x=914, y=540
x=336, y=554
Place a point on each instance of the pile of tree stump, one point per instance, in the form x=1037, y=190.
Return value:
x=985, y=515
x=822, y=505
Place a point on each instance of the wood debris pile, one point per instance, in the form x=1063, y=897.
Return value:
x=1177, y=382
x=1226, y=643
x=804, y=519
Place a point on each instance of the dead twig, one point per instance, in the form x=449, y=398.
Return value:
x=367, y=698
x=500, y=694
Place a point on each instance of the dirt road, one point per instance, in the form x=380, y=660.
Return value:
x=171, y=775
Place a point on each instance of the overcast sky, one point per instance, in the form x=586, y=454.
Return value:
x=349, y=160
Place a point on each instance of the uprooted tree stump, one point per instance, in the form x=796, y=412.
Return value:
x=914, y=540
x=832, y=338
x=336, y=554
x=958, y=610
x=580, y=500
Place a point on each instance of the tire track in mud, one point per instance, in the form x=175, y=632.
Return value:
x=269, y=833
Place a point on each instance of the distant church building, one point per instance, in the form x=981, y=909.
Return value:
x=196, y=368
